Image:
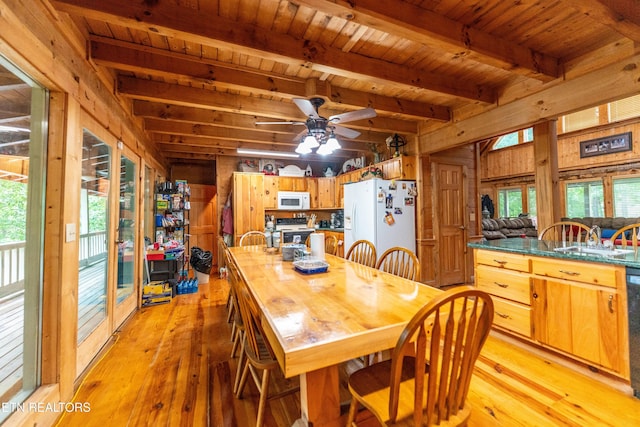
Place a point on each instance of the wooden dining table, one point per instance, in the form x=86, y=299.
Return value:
x=314, y=322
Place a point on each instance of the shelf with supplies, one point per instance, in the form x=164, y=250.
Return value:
x=168, y=254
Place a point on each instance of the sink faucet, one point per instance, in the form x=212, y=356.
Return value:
x=595, y=235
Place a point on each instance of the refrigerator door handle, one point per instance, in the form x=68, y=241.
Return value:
x=354, y=222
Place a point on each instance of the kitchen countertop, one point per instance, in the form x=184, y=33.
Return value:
x=339, y=230
x=547, y=248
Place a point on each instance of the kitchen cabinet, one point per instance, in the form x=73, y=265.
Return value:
x=573, y=307
x=401, y=167
x=248, y=203
x=577, y=309
x=506, y=277
x=326, y=192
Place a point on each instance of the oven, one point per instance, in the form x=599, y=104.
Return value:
x=292, y=227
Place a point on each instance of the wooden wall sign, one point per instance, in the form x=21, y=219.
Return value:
x=606, y=145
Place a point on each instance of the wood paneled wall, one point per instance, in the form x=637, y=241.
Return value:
x=514, y=166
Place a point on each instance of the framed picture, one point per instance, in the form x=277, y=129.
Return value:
x=606, y=145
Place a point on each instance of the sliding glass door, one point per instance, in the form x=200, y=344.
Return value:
x=23, y=125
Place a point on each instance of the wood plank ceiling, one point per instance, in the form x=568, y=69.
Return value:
x=200, y=73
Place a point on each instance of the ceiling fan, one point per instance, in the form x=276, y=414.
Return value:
x=321, y=131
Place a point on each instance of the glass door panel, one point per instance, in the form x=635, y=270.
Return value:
x=94, y=229
x=126, y=229
x=23, y=130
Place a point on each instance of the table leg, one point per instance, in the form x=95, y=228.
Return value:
x=320, y=397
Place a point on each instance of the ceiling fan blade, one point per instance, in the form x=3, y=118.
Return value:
x=346, y=132
x=351, y=116
x=306, y=107
x=280, y=123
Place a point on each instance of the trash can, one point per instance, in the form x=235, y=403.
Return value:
x=202, y=277
x=201, y=261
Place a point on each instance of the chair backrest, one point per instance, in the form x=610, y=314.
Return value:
x=565, y=231
x=252, y=238
x=626, y=236
x=330, y=243
x=400, y=262
x=257, y=345
x=448, y=334
x=362, y=252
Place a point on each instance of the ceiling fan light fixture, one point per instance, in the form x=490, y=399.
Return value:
x=302, y=149
x=333, y=142
x=324, y=149
x=310, y=141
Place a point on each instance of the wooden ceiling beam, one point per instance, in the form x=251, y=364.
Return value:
x=181, y=128
x=181, y=113
x=203, y=98
x=436, y=31
x=175, y=21
x=144, y=59
x=622, y=16
x=615, y=81
x=181, y=143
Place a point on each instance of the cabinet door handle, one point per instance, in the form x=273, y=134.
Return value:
x=570, y=273
x=502, y=285
x=504, y=316
x=497, y=261
x=610, y=303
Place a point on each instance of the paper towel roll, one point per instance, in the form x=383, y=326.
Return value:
x=317, y=245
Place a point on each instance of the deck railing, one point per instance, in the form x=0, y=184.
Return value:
x=93, y=248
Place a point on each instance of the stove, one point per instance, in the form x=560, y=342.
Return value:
x=291, y=224
x=294, y=230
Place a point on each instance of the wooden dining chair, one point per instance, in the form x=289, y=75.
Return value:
x=565, y=231
x=237, y=330
x=426, y=381
x=253, y=238
x=330, y=243
x=259, y=362
x=626, y=236
x=401, y=262
x=362, y=252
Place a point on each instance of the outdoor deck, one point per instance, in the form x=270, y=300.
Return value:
x=91, y=312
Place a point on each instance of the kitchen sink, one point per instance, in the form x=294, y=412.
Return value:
x=586, y=251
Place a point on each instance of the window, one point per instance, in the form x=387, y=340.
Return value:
x=585, y=198
x=624, y=109
x=23, y=131
x=531, y=200
x=514, y=138
x=581, y=119
x=626, y=197
x=509, y=202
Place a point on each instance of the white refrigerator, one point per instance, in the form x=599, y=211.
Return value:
x=381, y=211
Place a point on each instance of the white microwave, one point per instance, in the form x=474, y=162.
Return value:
x=293, y=200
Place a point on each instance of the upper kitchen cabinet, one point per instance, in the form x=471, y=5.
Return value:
x=274, y=183
x=248, y=203
x=325, y=196
x=401, y=167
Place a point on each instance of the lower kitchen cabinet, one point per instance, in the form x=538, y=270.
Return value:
x=573, y=307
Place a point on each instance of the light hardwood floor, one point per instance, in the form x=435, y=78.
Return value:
x=170, y=365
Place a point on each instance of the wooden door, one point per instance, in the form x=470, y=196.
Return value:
x=202, y=218
x=450, y=207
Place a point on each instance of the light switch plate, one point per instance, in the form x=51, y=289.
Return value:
x=70, y=232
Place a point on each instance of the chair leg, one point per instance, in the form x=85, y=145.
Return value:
x=230, y=308
x=264, y=390
x=239, y=337
x=239, y=370
x=352, y=412
x=243, y=380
